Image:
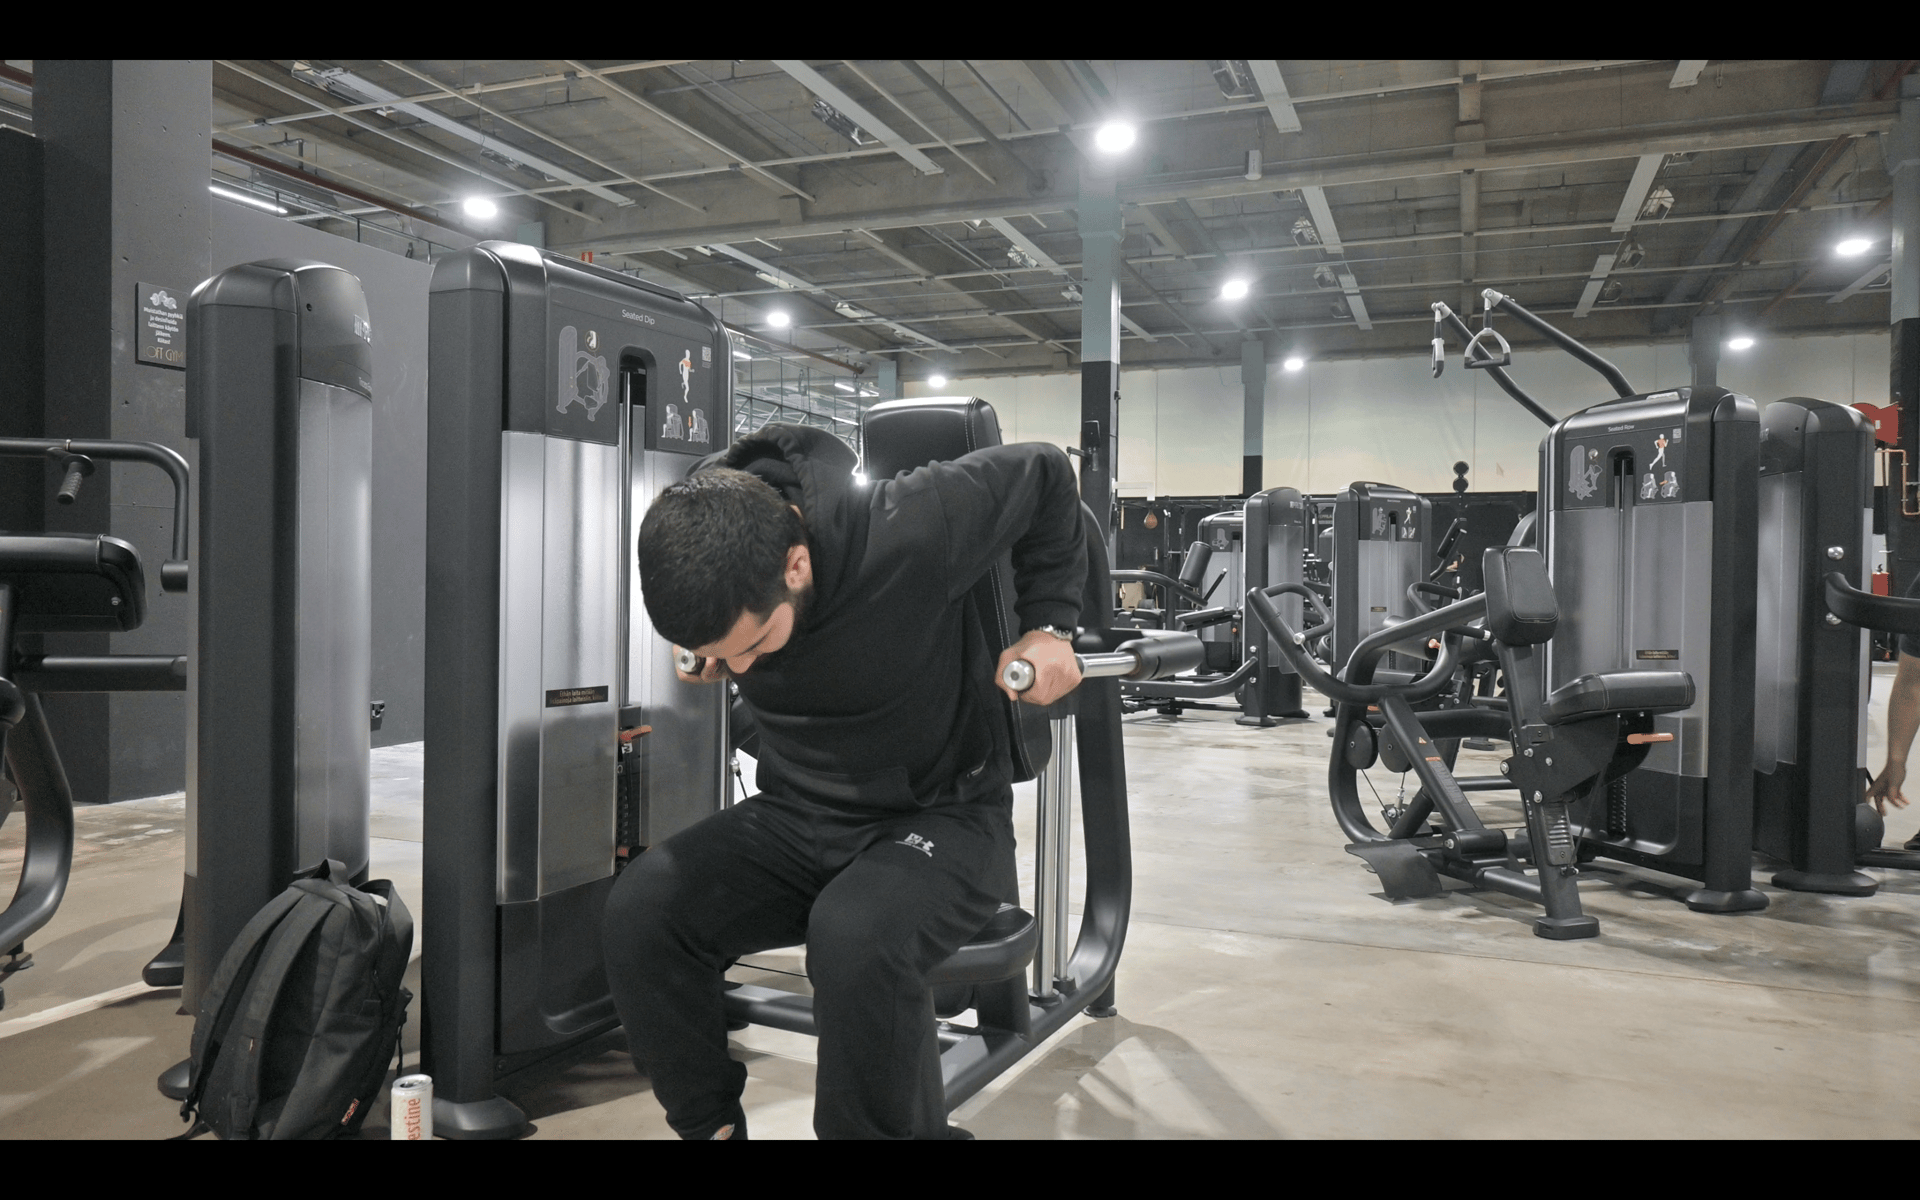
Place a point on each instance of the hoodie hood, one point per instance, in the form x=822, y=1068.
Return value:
x=814, y=471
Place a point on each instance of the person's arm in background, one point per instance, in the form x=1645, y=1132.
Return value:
x=1903, y=720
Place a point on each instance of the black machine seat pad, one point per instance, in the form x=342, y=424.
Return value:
x=1521, y=608
x=1609, y=692
x=1001, y=950
x=67, y=583
x=902, y=435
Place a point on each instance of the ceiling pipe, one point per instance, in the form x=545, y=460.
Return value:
x=228, y=150
x=856, y=370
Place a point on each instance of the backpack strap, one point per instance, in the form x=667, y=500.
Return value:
x=220, y=1002
x=263, y=992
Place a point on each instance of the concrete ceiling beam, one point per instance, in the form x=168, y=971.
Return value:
x=687, y=130
x=569, y=148
x=1273, y=90
x=407, y=139
x=831, y=92
x=841, y=207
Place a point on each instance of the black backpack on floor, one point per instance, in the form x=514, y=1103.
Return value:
x=297, y=1028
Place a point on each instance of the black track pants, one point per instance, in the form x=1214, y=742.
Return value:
x=878, y=901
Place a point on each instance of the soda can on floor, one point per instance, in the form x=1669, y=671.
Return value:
x=412, y=1109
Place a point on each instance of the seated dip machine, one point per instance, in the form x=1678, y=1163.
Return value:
x=1084, y=729
x=560, y=401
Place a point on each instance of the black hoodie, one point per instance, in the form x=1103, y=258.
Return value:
x=883, y=699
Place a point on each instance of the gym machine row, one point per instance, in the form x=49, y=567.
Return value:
x=559, y=740
x=276, y=675
x=1257, y=545
x=1644, y=727
x=1369, y=550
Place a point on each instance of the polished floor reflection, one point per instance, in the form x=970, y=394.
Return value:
x=1267, y=989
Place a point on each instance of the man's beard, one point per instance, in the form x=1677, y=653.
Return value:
x=802, y=600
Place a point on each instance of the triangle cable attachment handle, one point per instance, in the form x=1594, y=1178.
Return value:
x=1479, y=356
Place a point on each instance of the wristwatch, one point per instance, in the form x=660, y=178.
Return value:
x=1065, y=635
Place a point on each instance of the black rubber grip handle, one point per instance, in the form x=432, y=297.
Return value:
x=1892, y=614
x=1164, y=655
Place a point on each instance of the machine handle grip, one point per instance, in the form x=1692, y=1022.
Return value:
x=1201, y=617
x=1891, y=614
x=1143, y=658
x=79, y=466
x=173, y=574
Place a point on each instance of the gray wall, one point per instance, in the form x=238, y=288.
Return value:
x=124, y=152
x=396, y=289
x=1387, y=419
x=22, y=283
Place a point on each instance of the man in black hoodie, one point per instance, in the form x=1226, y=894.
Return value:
x=881, y=836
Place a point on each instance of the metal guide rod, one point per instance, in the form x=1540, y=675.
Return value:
x=1019, y=672
x=1052, y=848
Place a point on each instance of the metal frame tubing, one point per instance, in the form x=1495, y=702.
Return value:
x=1500, y=376
x=48, y=804
x=1051, y=842
x=1607, y=371
x=1194, y=690
x=173, y=572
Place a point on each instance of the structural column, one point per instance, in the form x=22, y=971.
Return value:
x=1253, y=383
x=888, y=381
x=1101, y=231
x=1703, y=349
x=1903, y=162
x=125, y=146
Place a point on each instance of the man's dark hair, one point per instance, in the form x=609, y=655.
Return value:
x=714, y=546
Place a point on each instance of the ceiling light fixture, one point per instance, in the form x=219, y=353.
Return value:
x=1294, y=363
x=1853, y=246
x=1234, y=77
x=480, y=208
x=843, y=387
x=1739, y=343
x=1113, y=137
x=840, y=123
x=938, y=381
x=245, y=198
x=779, y=319
x=743, y=356
x=1234, y=289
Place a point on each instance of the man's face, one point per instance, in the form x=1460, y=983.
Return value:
x=753, y=637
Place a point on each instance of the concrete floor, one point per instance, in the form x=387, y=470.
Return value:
x=1267, y=989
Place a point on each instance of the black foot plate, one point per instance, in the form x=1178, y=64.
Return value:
x=478, y=1120
x=1405, y=873
x=1708, y=900
x=177, y=1080
x=1834, y=883
x=168, y=968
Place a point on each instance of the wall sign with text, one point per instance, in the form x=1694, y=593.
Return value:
x=160, y=315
